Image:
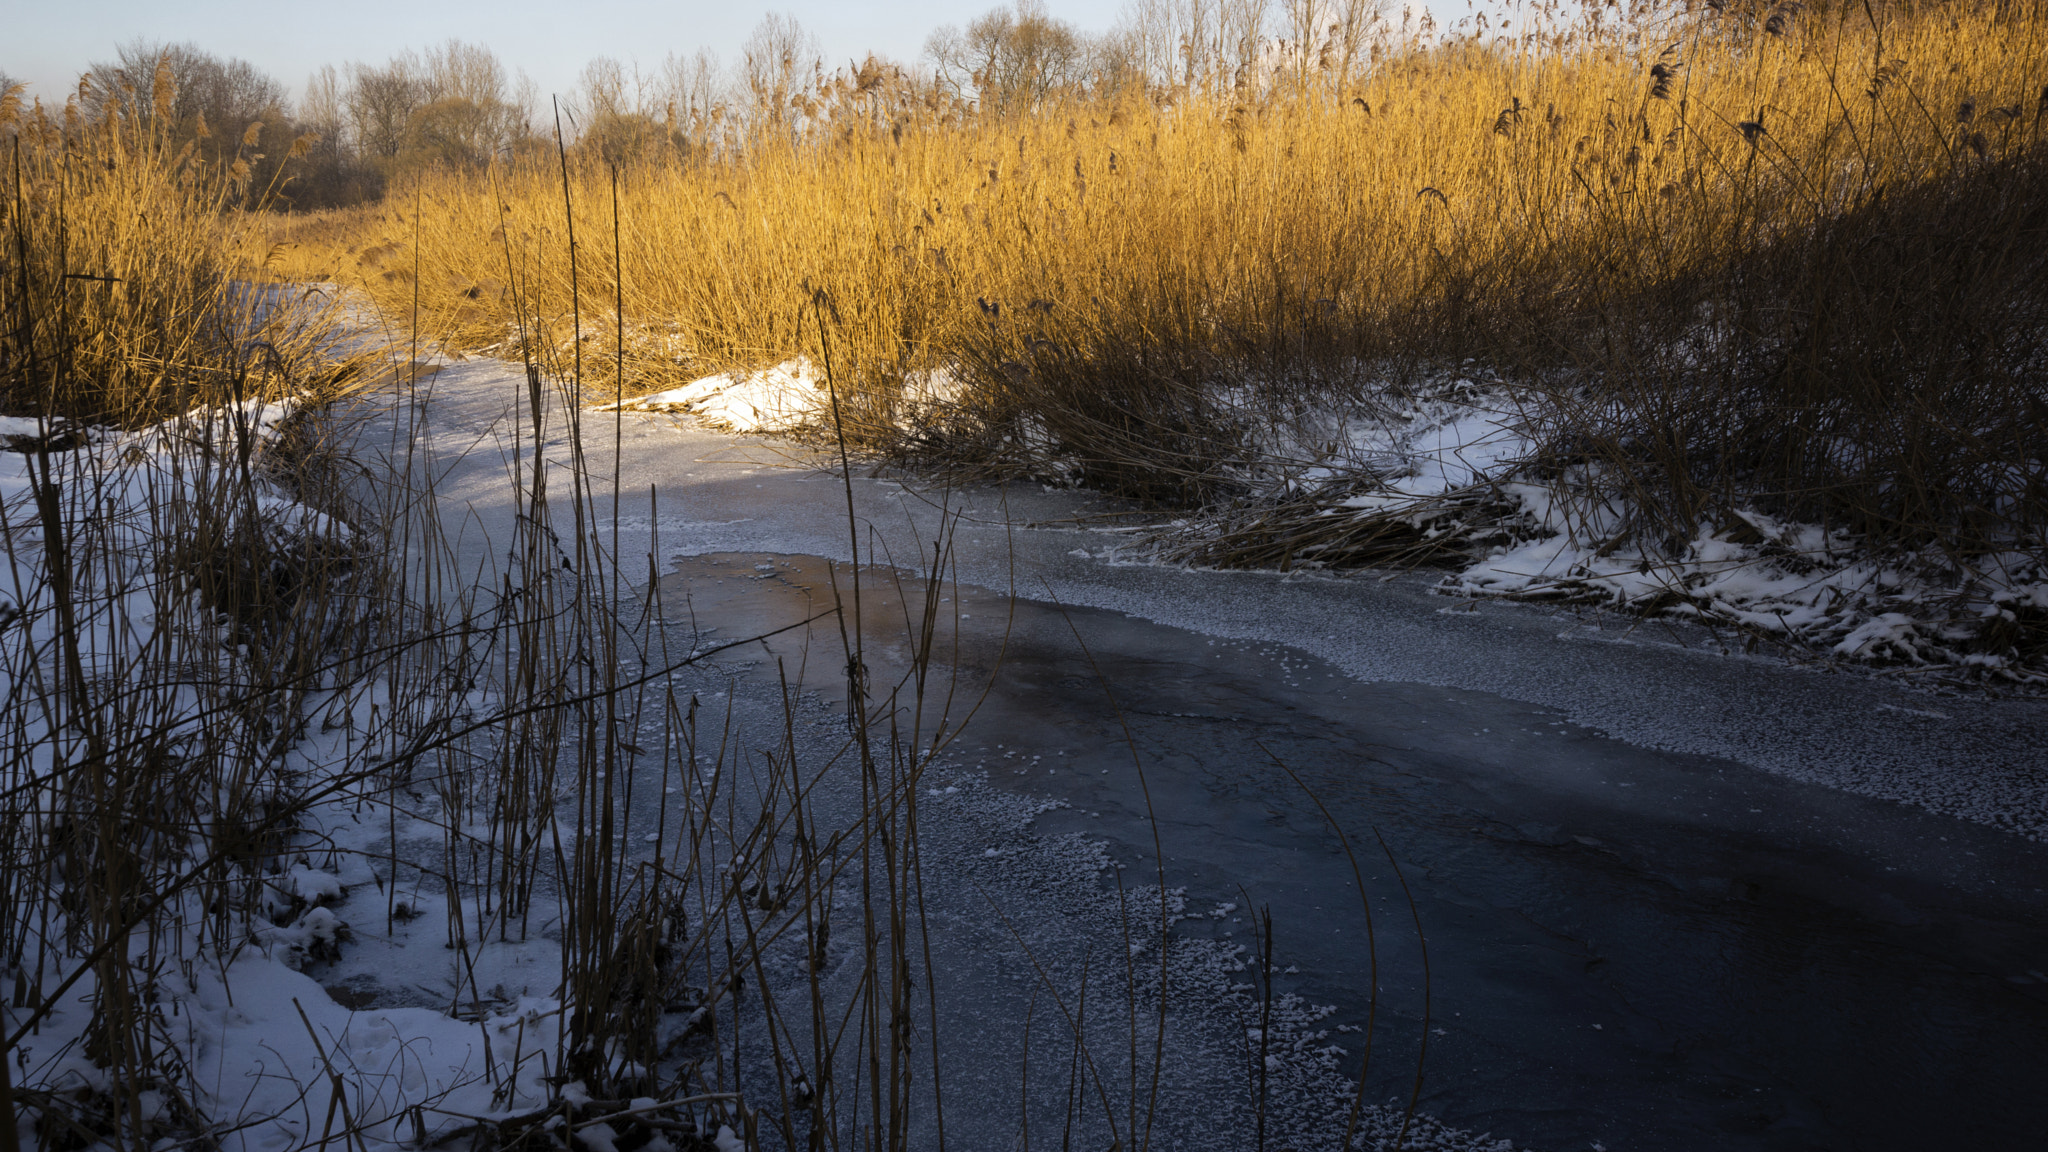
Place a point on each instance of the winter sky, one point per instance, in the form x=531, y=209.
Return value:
x=49, y=43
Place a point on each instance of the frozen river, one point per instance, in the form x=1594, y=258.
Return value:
x=1673, y=898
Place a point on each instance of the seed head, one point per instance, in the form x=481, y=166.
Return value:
x=164, y=89
x=1661, y=76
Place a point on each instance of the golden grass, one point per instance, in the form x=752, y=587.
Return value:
x=119, y=275
x=1210, y=224
x=1586, y=204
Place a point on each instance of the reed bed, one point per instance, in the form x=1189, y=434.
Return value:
x=1772, y=254
x=124, y=281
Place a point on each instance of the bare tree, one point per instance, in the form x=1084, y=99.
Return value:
x=778, y=63
x=623, y=116
x=1205, y=45
x=381, y=103
x=451, y=103
x=233, y=117
x=321, y=109
x=331, y=172
x=1240, y=38
x=204, y=89
x=470, y=115
x=695, y=96
x=953, y=68
x=1173, y=39
x=608, y=88
x=1116, y=63
x=464, y=71
x=1010, y=59
x=1327, y=39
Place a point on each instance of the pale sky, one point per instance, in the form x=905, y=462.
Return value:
x=49, y=42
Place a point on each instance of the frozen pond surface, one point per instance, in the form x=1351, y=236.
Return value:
x=1674, y=899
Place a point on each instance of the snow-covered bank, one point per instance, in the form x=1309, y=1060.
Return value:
x=1451, y=474
x=791, y=397
x=788, y=397
x=1799, y=583
x=175, y=668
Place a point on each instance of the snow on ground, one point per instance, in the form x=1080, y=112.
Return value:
x=246, y=1039
x=789, y=396
x=1798, y=582
x=1466, y=447
x=1821, y=592
x=115, y=491
x=1441, y=442
x=254, y=1051
x=272, y=1062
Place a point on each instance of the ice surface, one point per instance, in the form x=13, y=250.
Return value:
x=1614, y=674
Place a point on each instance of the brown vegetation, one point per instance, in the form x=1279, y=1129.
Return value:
x=1760, y=253
x=125, y=226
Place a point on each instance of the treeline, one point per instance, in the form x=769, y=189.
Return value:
x=351, y=132
x=219, y=116
x=357, y=127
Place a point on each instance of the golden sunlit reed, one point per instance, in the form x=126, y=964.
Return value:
x=1747, y=252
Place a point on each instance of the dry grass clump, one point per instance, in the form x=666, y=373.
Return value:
x=1330, y=531
x=119, y=275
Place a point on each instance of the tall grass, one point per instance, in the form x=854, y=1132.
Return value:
x=119, y=280
x=1785, y=251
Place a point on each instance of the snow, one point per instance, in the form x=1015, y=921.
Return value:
x=1893, y=631
x=793, y=396
x=789, y=396
x=1821, y=590
x=266, y=1043
x=261, y=1045
x=116, y=491
x=1457, y=457
x=1441, y=448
